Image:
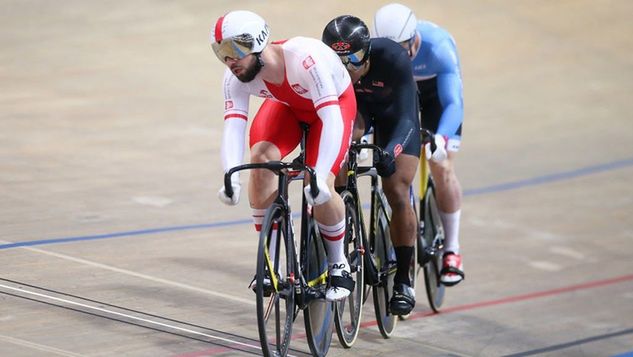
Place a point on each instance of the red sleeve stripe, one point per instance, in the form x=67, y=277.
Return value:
x=325, y=104
x=240, y=116
x=218, y=30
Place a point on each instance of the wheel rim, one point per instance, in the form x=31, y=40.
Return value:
x=319, y=314
x=349, y=310
x=385, y=263
x=275, y=313
x=434, y=239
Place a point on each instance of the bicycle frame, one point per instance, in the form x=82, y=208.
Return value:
x=355, y=171
x=426, y=183
x=378, y=255
x=430, y=238
x=288, y=172
x=304, y=288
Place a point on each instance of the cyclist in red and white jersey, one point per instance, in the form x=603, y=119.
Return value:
x=302, y=81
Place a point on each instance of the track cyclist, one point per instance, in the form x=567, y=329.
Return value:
x=436, y=69
x=386, y=93
x=302, y=80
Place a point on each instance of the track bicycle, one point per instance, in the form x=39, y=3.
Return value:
x=288, y=280
x=430, y=242
x=370, y=251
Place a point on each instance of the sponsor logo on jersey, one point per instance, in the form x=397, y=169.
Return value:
x=228, y=104
x=308, y=62
x=378, y=84
x=264, y=93
x=397, y=150
x=299, y=89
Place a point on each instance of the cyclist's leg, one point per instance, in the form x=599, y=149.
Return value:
x=449, y=197
x=332, y=227
x=331, y=214
x=273, y=135
x=448, y=189
x=403, y=220
x=399, y=135
x=268, y=141
x=403, y=230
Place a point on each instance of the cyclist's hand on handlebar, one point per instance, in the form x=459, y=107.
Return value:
x=385, y=164
x=439, y=153
x=324, y=193
x=235, y=184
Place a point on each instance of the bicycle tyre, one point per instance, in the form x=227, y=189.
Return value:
x=275, y=312
x=319, y=314
x=433, y=240
x=348, y=311
x=385, y=259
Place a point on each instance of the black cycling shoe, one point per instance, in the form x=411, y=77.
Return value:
x=403, y=299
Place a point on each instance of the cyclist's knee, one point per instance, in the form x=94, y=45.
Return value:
x=264, y=152
x=398, y=183
x=442, y=169
x=397, y=195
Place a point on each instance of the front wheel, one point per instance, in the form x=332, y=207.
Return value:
x=319, y=313
x=275, y=284
x=348, y=311
x=432, y=242
x=385, y=259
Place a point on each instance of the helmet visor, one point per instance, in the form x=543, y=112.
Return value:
x=354, y=61
x=235, y=48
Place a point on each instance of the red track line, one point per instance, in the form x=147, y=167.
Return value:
x=517, y=298
x=477, y=305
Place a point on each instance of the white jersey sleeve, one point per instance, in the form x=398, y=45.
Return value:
x=236, y=100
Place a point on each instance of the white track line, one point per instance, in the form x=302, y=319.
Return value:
x=37, y=346
x=110, y=312
x=143, y=276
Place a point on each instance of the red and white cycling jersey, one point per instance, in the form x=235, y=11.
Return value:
x=316, y=89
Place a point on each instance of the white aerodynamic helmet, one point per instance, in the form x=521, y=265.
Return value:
x=237, y=34
x=396, y=22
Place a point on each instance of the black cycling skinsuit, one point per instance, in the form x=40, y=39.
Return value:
x=387, y=98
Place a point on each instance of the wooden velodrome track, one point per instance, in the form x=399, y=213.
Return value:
x=113, y=243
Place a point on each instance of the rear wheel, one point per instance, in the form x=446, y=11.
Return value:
x=385, y=259
x=275, y=284
x=348, y=311
x=431, y=252
x=319, y=313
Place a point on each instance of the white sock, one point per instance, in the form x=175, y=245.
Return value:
x=333, y=239
x=451, y=230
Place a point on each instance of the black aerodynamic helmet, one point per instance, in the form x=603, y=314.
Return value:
x=349, y=37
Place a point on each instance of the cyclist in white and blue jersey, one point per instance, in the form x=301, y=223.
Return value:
x=436, y=70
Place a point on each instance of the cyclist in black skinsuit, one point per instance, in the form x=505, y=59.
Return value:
x=386, y=96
